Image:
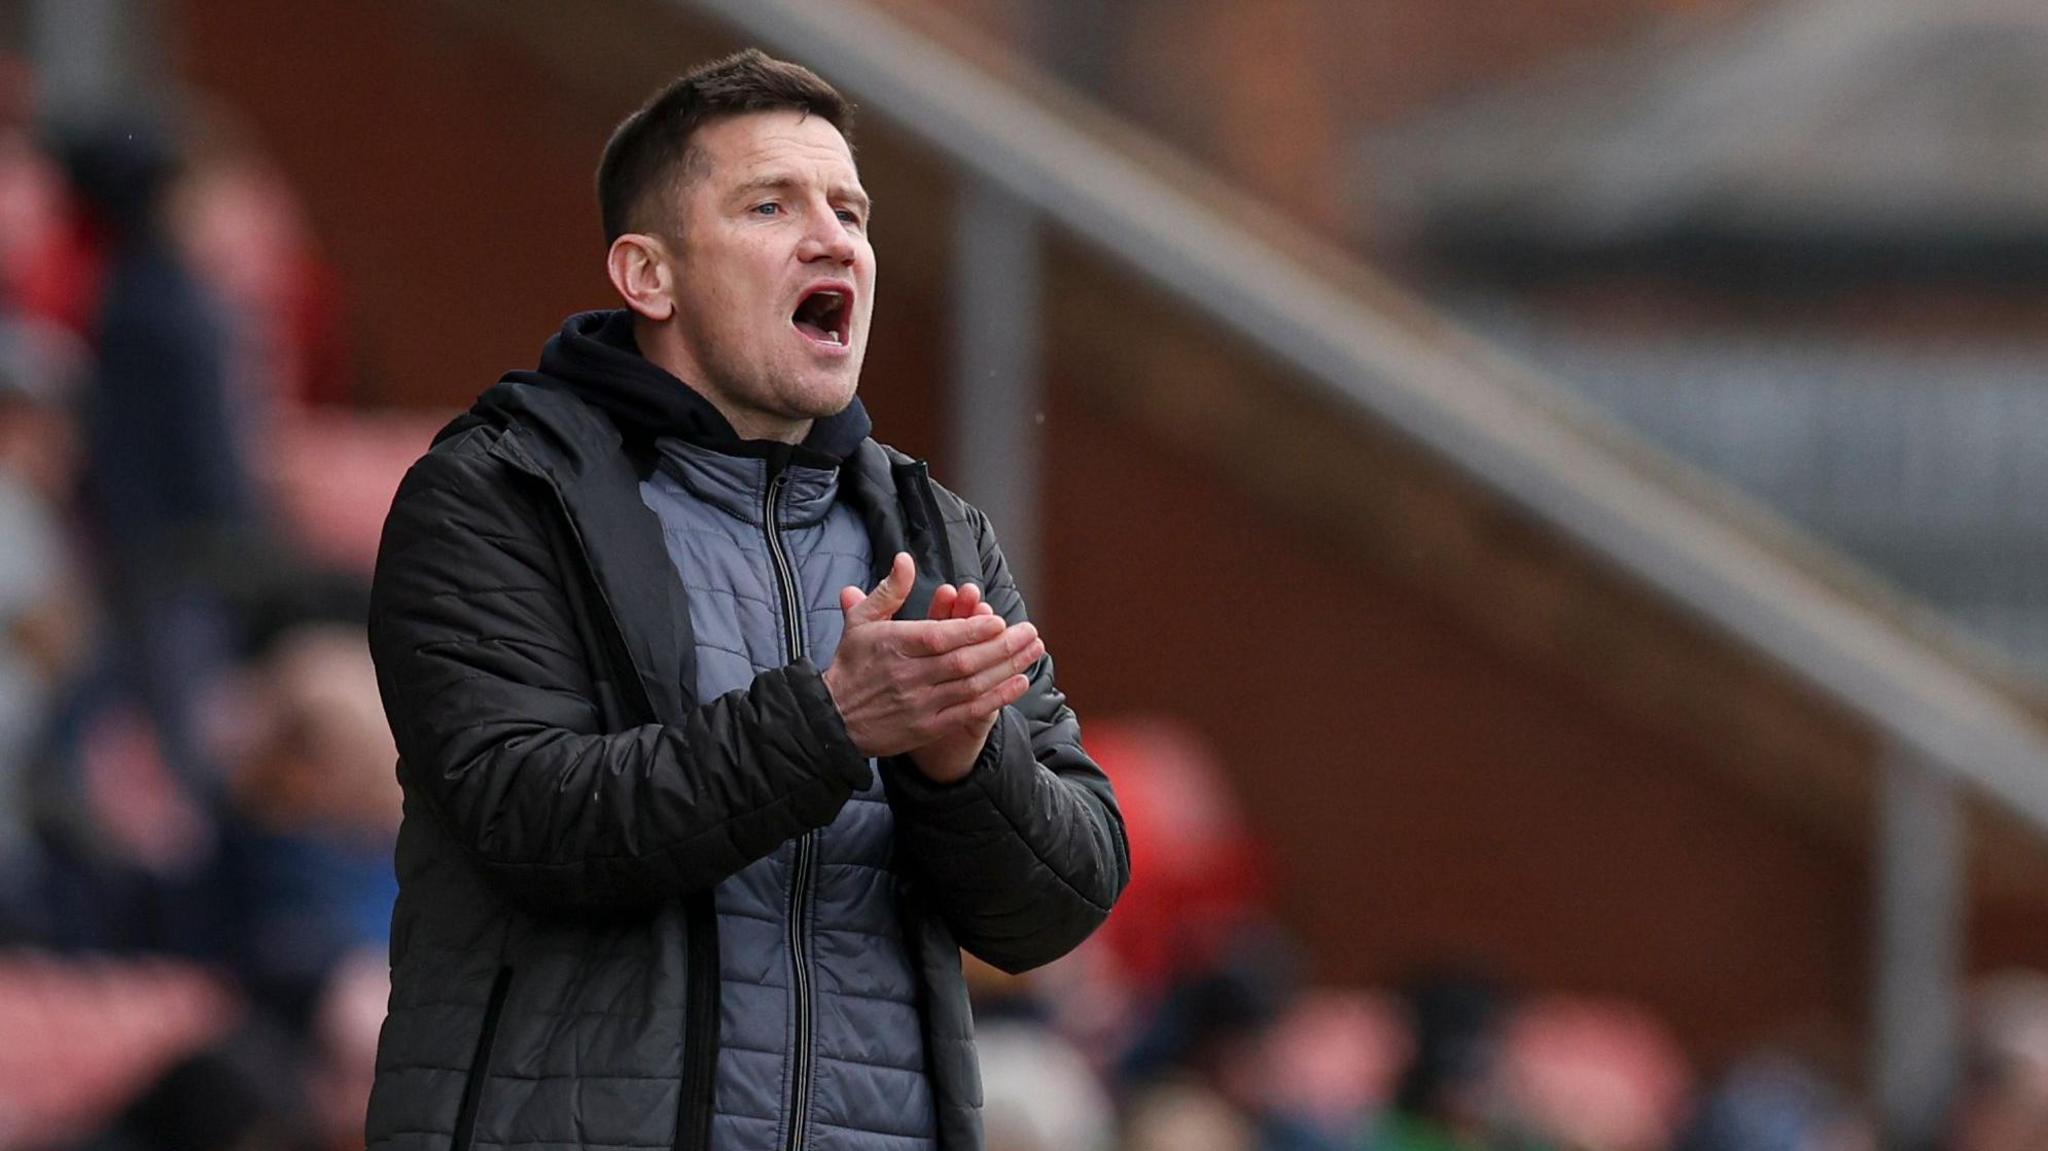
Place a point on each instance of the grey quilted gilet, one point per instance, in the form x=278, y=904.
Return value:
x=819, y=1020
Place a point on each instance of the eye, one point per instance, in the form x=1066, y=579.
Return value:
x=850, y=216
x=766, y=208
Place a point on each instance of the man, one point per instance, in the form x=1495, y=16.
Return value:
x=663, y=881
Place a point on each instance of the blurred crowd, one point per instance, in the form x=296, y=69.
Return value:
x=1191, y=1023
x=197, y=802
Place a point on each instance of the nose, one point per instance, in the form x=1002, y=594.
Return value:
x=827, y=239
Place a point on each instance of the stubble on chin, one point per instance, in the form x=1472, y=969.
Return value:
x=819, y=394
x=825, y=402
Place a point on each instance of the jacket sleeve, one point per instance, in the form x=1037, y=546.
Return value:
x=1025, y=855
x=493, y=704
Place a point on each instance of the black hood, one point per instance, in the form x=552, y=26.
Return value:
x=596, y=358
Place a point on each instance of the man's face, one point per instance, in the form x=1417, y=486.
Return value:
x=774, y=274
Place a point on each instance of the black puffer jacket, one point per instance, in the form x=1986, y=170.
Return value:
x=567, y=811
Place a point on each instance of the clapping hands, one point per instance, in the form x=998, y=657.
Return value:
x=932, y=688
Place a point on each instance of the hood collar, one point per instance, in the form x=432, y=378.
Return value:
x=596, y=358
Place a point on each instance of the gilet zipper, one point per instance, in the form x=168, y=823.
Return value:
x=800, y=877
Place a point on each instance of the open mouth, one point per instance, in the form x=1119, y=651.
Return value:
x=825, y=315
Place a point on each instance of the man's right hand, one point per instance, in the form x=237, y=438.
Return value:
x=900, y=684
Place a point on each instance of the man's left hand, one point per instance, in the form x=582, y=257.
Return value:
x=950, y=757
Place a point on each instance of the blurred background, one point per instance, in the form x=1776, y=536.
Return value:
x=1542, y=507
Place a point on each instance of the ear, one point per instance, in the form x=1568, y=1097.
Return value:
x=639, y=268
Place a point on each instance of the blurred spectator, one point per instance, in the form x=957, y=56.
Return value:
x=313, y=815
x=240, y=224
x=1177, y=1115
x=1038, y=1089
x=1595, y=1076
x=1332, y=1058
x=325, y=756
x=1210, y=1012
x=2003, y=1105
x=1454, y=1094
x=1038, y=1093
x=127, y=850
x=1195, y=875
x=1217, y=1030
x=168, y=494
x=1298, y=1070
x=1189, y=992
x=1776, y=1103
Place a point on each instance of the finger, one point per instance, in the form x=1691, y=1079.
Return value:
x=924, y=639
x=889, y=595
x=985, y=608
x=1009, y=691
x=969, y=602
x=944, y=601
x=989, y=678
x=981, y=707
x=849, y=596
x=1000, y=650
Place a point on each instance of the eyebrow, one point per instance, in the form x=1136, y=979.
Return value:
x=855, y=194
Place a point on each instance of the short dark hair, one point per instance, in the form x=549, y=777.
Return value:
x=650, y=151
